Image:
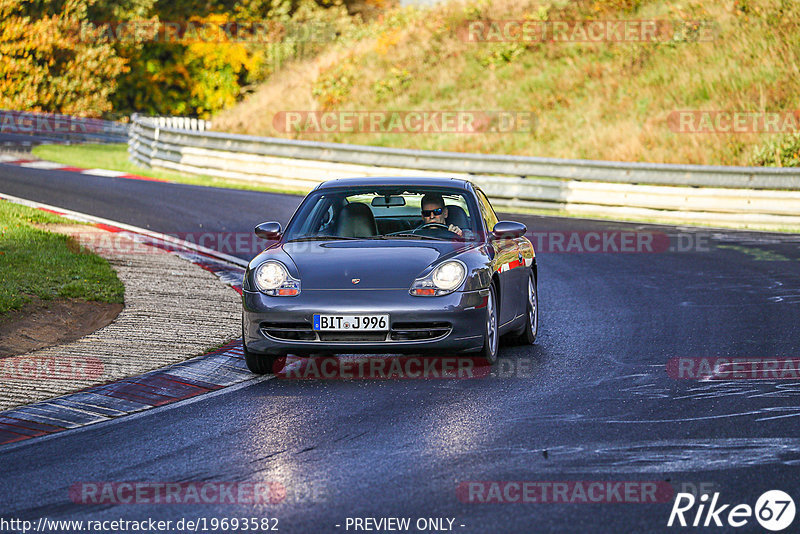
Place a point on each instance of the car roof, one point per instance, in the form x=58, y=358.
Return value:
x=414, y=181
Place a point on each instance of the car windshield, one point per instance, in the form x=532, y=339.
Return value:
x=385, y=213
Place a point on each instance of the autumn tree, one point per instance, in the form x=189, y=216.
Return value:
x=48, y=64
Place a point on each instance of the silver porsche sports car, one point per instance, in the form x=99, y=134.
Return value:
x=389, y=265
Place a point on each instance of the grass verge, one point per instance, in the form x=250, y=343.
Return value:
x=34, y=262
x=114, y=157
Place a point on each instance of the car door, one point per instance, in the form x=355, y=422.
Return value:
x=506, y=257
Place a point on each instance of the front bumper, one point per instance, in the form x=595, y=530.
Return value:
x=441, y=325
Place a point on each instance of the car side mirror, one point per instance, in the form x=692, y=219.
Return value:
x=508, y=230
x=269, y=230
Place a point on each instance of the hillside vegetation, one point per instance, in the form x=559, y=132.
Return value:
x=109, y=58
x=595, y=100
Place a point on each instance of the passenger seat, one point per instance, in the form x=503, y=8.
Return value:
x=356, y=220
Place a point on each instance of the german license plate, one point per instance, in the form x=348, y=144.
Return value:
x=351, y=322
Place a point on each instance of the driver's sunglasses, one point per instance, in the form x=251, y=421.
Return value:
x=432, y=213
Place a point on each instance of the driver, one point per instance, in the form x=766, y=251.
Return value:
x=434, y=211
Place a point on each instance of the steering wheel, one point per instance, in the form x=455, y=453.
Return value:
x=436, y=226
x=435, y=230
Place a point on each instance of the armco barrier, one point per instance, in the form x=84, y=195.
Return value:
x=61, y=128
x=741, y=196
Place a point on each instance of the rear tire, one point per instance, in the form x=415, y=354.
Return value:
x=491, y=339
x=531, y=330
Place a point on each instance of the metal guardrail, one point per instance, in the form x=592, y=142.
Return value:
x=743, y=196
x=60, y=128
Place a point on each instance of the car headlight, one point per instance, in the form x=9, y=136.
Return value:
x=444, y=279
x=272, y=278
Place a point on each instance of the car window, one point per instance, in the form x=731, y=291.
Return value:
x=487, y=212
x=319, y=219
x=383, y=213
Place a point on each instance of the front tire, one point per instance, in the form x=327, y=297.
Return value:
x=259, y=364
x=528, y=335
x=491, y=340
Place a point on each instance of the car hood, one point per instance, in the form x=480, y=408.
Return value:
x=374, y=264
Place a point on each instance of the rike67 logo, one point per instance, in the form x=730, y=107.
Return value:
x=774, y=510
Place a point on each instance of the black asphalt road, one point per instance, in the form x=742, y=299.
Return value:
x=591, y=401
